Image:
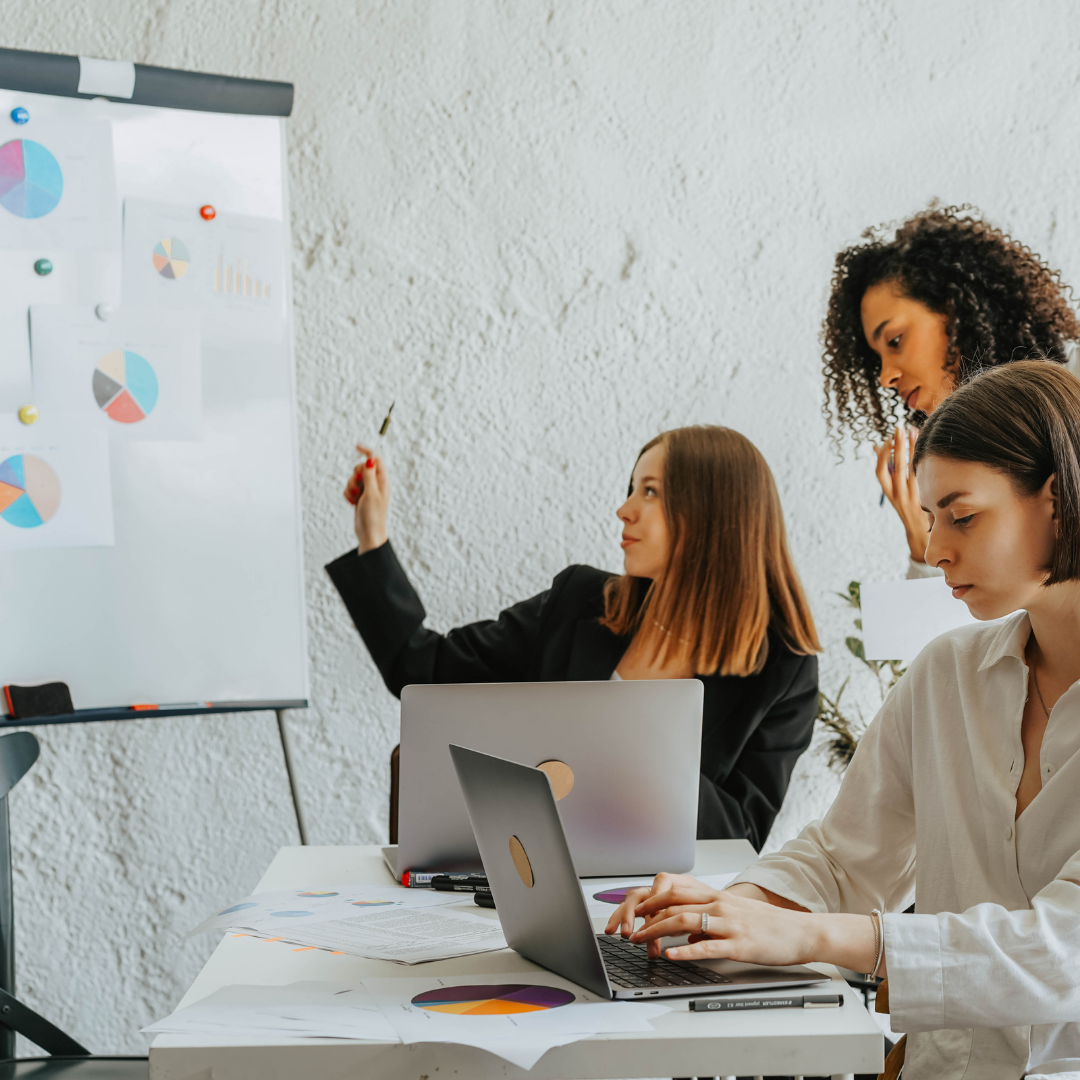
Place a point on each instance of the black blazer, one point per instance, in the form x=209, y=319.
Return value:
x=753, y=728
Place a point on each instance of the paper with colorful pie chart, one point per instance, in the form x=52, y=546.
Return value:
x=230, y=269
x=517, y=1015
x=493, y=999
x=604, y=895
x=55, y=484
x=58, y=186
x=139, y=374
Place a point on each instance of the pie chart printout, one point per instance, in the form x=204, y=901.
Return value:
x=29, y=491
x=171, y=258
x=31, y=180
x=125, y=386
x=614, y=896
x=498, y=1000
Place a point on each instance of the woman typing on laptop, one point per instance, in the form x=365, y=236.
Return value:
x=963, y=791
x=709, y=591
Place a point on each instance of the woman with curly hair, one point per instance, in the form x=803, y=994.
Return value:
x=914, y=315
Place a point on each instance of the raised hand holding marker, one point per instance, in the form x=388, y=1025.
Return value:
x=354, y=486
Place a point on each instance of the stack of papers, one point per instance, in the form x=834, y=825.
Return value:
x=517, y=1016
x=400, y=935
x=383, y=922
x=291, y=907
x=298, y=1010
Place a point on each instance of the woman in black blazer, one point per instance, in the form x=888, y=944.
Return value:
x=709, y=592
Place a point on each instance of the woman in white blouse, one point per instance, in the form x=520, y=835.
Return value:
x=964, y=794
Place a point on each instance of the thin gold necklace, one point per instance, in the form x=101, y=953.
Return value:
x=1035, y=676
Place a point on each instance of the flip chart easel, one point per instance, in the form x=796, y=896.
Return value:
x=190, y=595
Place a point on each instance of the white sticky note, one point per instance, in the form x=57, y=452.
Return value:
x=900, y=618
x=109, y=78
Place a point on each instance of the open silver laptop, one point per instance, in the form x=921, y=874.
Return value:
x=541, y=906
x=623, y=756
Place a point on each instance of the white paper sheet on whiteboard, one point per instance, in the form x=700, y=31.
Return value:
x=138, y=376
x=58, y=186
x=900, y=618
x=231, y=268
x=77, y=277
x=55, y=484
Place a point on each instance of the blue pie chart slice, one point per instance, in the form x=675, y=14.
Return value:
x=31, y=180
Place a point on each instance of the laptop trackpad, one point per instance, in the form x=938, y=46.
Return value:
x=753, y=974
x=758, y=975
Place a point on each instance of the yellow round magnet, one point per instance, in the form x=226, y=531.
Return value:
x=28, y=414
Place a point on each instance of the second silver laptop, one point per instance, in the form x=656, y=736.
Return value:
x=623, y=756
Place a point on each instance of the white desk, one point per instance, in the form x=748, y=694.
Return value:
x=773, y=1042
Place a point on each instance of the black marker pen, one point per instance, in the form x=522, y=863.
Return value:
x=807, y=1001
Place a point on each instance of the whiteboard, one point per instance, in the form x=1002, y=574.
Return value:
x=200, y=599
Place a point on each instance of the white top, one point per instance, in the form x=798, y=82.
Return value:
x=995, y=945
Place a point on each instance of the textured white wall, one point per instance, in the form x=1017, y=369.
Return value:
x=548, y=230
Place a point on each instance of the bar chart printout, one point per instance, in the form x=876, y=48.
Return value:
x=235, y=279
x=231, y=270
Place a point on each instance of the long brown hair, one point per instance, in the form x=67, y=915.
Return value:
x=729, y=574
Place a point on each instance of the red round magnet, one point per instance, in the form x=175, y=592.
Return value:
x=207, y=212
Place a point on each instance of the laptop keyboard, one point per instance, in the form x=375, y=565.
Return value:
x=628, y=966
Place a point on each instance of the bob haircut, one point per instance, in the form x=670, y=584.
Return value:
x=1022, y=419
x=729, y=575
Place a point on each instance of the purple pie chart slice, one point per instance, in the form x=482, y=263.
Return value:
x=614, y=896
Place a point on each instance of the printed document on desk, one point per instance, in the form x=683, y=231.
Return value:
x=518, y=1017
x=297, y=1010
x=402, y=935
x=288, y=907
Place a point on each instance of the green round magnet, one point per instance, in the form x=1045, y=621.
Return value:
x=43, y=267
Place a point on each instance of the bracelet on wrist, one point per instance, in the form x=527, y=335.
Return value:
x=878, y=922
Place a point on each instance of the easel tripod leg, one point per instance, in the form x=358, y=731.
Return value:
x=284, y=736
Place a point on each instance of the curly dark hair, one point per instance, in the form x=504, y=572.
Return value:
x=1002, y=301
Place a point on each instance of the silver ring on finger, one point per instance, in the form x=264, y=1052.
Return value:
x=704, y=922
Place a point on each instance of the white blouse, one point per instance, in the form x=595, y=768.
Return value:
x=985, y=977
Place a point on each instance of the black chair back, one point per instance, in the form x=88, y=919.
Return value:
x=18, y=752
